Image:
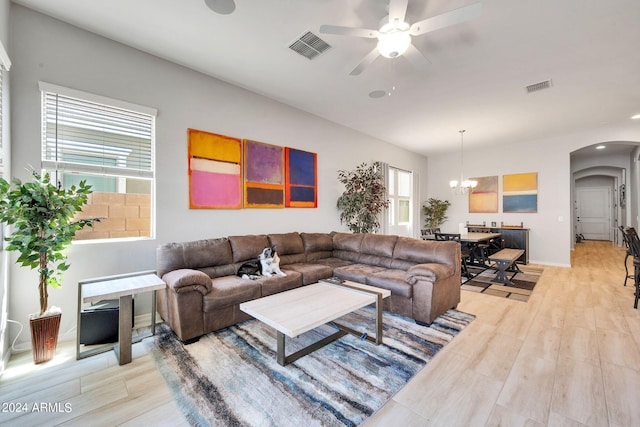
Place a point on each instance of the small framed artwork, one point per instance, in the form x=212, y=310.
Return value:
x=301, y=177
x=484, y=197
x=263, y=175
x=215, y=171
x=520, y=193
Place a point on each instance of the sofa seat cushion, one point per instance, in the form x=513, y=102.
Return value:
x=274, y=284
x=311, y=272
x=333, y=262
x=229, y=290
x=393, y=280
x=357, y=272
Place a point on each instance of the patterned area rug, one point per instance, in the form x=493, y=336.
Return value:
x=523, y=283
x=231, y=378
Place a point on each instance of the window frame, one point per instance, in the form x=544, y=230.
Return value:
x=395, y=199
x=57, y=166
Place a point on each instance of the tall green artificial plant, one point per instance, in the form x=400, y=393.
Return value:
x=42, y=215
x=364, y=197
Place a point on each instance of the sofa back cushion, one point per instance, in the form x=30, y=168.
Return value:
x=197, y=255
x=377, y=249
x=317, y=245
x=347, y=246
x=425, y=251
x=289, y=247
x=247, y=248
x=378, y=244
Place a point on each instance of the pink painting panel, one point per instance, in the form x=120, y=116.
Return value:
x=214, y=189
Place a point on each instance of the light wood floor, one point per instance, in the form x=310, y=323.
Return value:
x=570, y=356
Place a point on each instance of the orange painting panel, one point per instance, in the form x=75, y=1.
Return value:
x=520, y=182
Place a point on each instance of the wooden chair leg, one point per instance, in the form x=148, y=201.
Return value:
x=636, y=274
x=626, y=269
x=465, y=269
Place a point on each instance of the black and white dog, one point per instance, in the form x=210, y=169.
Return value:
x=268, y=263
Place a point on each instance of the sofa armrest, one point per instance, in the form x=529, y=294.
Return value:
x=430, y=272
x=186, y=280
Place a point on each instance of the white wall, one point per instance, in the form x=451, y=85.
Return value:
x=551, y=234
x=49, y=50
x=4, y=38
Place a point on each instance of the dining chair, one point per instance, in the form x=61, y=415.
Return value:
x=425, y=233
x=625, y=239
x=634, y=246
x=465, y=253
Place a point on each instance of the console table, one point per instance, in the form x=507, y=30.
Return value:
x=122, y=287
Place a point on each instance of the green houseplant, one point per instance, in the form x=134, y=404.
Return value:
x=435, y=212
x=363, y=199
x=42, y=215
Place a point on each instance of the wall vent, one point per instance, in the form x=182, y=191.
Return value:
x=539, y=86
x=309, y=45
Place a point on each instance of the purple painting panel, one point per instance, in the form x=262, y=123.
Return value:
x=264, y=163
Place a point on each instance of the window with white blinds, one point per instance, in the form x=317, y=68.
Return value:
x=109, y=144
x=87, y=136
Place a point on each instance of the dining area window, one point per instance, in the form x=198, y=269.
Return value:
x=400, y=199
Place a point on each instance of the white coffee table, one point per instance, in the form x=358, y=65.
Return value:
x=299, y=310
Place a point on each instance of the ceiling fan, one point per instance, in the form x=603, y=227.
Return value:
x=394, y=34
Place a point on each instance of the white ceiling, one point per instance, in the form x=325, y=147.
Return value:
x=476, y=81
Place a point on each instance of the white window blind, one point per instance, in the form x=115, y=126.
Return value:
x=83, y=135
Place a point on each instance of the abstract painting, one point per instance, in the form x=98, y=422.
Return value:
x=301, y=174
x=263, y=175
x=215, y=171
x=520, y=192
x=484, y=198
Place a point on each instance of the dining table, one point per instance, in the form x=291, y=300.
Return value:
x=472, y=241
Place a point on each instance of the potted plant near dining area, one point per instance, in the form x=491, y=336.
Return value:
x=435, y=212
x=42, y=216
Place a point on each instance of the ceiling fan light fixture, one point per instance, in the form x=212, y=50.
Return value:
x=394, y=43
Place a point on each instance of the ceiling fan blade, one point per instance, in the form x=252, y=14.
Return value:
x=446, y=19
x=416, y=58
x=371, y=56
x=397, y=10
x=348, y=31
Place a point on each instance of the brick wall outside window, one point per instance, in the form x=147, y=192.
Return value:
x=123, y=215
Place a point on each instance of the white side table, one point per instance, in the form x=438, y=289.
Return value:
x=122, y=287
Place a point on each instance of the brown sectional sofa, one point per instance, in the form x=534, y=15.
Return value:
x=203, y=293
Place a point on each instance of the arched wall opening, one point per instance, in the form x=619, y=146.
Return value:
x=608, y=176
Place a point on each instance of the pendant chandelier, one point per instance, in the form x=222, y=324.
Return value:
x=463, y=186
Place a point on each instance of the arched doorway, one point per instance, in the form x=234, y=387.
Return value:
x=603, y=183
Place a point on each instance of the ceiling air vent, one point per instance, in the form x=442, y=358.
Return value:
x=309, y=45
x=539, y=86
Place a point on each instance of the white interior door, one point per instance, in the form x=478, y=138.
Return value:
x=594, y=212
